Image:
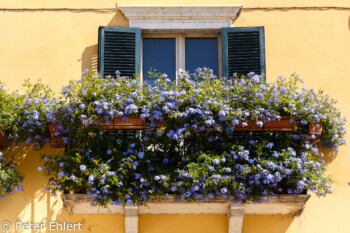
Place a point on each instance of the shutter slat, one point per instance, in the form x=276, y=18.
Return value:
x=235, y=52
x=244, y=44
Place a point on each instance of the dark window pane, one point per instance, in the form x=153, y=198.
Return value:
x=201, y=52
x=159, y=54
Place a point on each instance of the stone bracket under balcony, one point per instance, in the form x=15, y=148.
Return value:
x=278, y=205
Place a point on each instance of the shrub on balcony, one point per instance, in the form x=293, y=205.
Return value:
x=33, y=110
x=96, y=101
x=195, y=153
x=95, y=96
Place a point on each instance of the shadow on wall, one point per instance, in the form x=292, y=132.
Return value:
x=267, y=223
x=170, y=223
x=329, y=155
x=212, y=223
x=89, y=57
x=34, y=205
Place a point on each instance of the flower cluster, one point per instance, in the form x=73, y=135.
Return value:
x=33, y=110
x=190, y=146
x=94, y=99
x=255, y=171
x=95, y=96
x=198, y=102
x=10, y=178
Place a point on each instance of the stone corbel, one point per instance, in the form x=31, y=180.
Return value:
x=131, y=214
x=235, y=217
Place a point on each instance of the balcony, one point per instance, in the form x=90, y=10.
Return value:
x=278, y=205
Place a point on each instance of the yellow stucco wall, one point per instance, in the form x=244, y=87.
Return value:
x=57, y=46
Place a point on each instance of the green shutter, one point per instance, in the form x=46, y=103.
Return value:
x=119, y=48
x=243, y=50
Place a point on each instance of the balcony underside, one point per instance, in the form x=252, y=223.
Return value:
x=278, y=205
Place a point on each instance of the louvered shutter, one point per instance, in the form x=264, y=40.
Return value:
x=119, y=48
x=243, y=50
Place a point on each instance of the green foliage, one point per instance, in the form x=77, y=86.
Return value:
x=10, y=178
x=7, y=116
x=33, y=110
x=191, y=149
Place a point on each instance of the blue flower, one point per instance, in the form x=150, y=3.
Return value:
x=82, y=168
x=73, y=178
x=302, y=121
x=91, y=179
x=223, y=190
x=140, y=154
x=216, y=161
x=269, y=145
x=35, y=114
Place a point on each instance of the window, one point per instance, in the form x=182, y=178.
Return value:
x=172, y=53
x=158, y=54
x=201, y=52
x=234, y=50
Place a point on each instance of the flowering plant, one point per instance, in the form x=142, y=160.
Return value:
x=199, y=101
x=95, y=99
x=33, y=110
x=254, y=170
x=196, y=153
x=310, y=107
x=104, y=97
x=10, y=178
x=7, y=116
